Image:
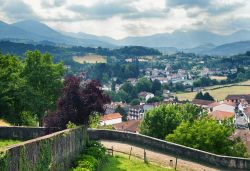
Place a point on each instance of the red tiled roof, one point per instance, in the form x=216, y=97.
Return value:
x=226, y=103
x=238, y=97
x=111, y=116
x=221, y=115
x=131, y=126
x=202, y=102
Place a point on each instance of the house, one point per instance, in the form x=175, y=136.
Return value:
x=110, y=119
x=145, y=95
x=222, y=106
x=110, y=108
x=202, y=103
x=221, y=115
x=136, y=112
x=238, y=98
x=133, y=81
x=130, y=126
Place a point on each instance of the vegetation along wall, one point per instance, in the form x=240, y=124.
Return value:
x=55, y=152
x=223, y=162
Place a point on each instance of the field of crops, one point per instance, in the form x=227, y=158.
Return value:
x=90, y=58
x=219, y=78
x=219, y=93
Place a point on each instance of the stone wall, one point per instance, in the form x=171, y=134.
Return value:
x=222, y=162
x=24, y=133
x=55, y=152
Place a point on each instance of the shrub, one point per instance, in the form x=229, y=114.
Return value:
x=96, y=152
x=80, y=169
x=87, y=161
x=91, y=158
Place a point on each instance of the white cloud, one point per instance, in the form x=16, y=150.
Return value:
x=121, y=18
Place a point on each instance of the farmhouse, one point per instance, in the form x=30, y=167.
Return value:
x=110, y=119
x=226, y=107
x=146, y=95
x=238, y=98
x=130, y=126
x=221, y=115
x=136, y=112
x=202, y=103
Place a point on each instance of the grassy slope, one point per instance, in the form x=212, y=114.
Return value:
x=220, y=93
x=4, y=143
x=4, y=123
x=122, y=163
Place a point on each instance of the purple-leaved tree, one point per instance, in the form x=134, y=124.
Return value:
x=77, y=103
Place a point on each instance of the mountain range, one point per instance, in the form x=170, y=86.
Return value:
x=194, y=41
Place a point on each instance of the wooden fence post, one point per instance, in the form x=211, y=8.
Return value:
x=175, y=163
x=145, y=157
x=130, y=152
x=112, y=151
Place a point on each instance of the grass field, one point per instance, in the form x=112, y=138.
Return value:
x=218, y=94
x=4, y=123
x=219, y=78
x=4, y=143
x=90, y=58
x=122, y=163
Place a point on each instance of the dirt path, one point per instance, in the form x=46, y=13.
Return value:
x=156, y=157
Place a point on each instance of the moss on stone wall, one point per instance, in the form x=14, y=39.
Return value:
x=4, y=160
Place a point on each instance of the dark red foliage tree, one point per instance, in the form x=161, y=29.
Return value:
x=77, y=103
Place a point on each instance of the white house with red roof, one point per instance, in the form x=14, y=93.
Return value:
x=110, y=119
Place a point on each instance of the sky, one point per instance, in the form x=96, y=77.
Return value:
x=122, y=18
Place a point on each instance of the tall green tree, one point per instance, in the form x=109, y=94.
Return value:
x=156, y=86
x=14, y=92
x=124, y=114
x=143, y=85
x=205, y=96
x=45, y=79
x=166, y=118
x=208, y=135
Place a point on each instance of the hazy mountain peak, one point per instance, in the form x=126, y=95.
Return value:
x=36, y=27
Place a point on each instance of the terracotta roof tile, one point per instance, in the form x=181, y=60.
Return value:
x=111, y=116
x=221, y=115
x=202, y=102
x=131, y=126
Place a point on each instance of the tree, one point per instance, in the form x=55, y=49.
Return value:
x=205, y=96
x=208, y=135
x=135, y=102
x=143, y=85
x=45, y=79
x=166, y=118
x=113, y=85
x=156, y=86
x=77, y=103
x=199, y=95
x=124, y=114
x=154, y=99
x=15, y=101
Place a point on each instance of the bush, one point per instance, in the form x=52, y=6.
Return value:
x=87, y=161
x=96, y=152
x=80, y=169
x=91, y=158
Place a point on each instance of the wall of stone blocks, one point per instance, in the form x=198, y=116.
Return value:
x=219, y=161
x=24, y=133
x=54, y=152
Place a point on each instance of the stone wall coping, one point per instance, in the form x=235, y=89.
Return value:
x=167, y=142
x=38, y=138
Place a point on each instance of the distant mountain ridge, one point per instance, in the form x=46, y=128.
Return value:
x=193, y=41
x=35, y=31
